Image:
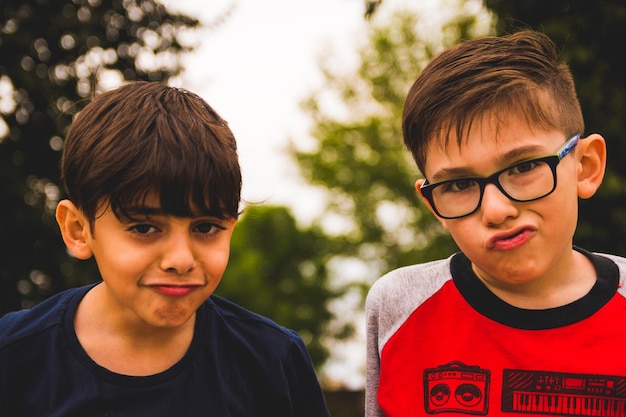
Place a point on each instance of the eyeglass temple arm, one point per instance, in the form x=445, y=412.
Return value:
x=569, y=145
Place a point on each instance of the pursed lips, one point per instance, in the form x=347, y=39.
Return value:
x=174, y=290
x=511, y=239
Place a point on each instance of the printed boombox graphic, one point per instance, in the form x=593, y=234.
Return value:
x=456, y=387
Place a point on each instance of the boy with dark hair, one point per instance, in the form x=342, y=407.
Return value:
x=519, y=321
x=153, y=190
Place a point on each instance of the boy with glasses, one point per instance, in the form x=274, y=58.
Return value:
x=520, y=321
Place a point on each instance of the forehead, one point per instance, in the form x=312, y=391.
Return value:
x=486, y=147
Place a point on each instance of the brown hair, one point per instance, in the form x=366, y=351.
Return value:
x=518, y=73
x=148, y=138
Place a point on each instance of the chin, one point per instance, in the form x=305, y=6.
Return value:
x=172, y=316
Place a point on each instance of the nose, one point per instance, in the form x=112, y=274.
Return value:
x=178, y=254
x=496, y=207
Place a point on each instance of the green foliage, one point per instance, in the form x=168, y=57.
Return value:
x=589, y=34
x=55, y=55
x=278, y=269
x=359, y=154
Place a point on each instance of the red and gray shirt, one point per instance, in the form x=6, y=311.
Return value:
x=439, y=342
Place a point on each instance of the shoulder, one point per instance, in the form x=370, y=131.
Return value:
x=262, y=352
x=396, y=295
x=409, y=285
x=25, y=324
x=618, y=260
x=241, y=323
x=620, y=263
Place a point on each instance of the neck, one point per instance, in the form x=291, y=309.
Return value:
x=128, y=347
x=561, y=285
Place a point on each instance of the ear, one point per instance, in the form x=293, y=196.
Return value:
x=418, y=188
x=592, y=164
x=75, y=229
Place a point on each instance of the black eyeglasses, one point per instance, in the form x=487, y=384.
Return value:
x=528, y=180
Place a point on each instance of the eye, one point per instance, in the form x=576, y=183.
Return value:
x=523, y=168
x=457, y=186
x=208, y=228
x=143, y=229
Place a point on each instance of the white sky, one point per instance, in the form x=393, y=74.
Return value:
x=254, y=69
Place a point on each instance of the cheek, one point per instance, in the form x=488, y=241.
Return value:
x=218, y=264
x=215, y=259
x=564, y=200
x=561, y=213
x=463, y=232
x=121, y=259
x=567, y=182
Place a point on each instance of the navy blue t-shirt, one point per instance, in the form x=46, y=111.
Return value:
x=238, y=364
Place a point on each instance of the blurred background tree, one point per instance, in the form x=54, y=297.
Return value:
x=54, y=55
x=279, y=270
x=358, y=154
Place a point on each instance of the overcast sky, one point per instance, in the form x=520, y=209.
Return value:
x=258, y=64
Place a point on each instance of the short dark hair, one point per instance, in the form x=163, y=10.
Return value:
x=147, y=138
x=519, y=73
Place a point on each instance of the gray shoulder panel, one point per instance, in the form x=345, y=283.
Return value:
x=394, y=297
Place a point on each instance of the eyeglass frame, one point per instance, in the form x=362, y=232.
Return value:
x=426, y=189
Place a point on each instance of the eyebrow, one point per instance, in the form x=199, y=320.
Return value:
x=511, y=157
x=451, y=173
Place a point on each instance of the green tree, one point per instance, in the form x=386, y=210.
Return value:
x=54, y=55
x=278, y=269
x=359, y=155
x=589, y=34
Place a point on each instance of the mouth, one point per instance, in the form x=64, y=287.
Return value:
x=174, y=290
x=510, y=240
